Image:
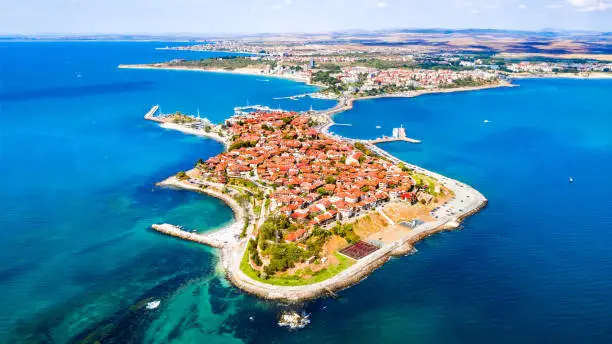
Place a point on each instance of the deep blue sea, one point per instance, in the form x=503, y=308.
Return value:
x=78, y=166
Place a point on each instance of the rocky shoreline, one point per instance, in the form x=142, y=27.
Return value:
x=467, y=201
x=232, y=247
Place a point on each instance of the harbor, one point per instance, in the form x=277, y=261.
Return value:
x=188, y=124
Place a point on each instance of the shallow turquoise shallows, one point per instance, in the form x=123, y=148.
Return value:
x=78, y=166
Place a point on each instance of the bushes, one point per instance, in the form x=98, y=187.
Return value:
x=283, y=257
x=243, y=233
x=272, y=229
x=241, y=144
x=182, y=175
x=322, y=191
x=315, y=242
x=346, y=231
x=252, y=250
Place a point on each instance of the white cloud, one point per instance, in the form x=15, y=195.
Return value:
x=522, y=6
x=474, y=11
x=275, y=7
x=288, y=2
x=381, y=4
x=464, y=3
x=555, y=5
x=590, y=5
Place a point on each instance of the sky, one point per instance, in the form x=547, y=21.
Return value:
x=259, y=16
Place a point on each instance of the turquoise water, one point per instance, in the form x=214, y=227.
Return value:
x=78, y=166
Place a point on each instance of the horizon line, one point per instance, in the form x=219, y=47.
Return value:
x=242, y=34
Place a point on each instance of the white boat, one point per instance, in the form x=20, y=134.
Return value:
x=485, y=121
x=571, y=180
x=153, y=304
x=378, y=127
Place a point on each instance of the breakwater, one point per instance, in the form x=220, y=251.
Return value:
x=176, y=232
x=229, y=235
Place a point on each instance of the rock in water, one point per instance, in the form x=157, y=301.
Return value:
x=294, y=320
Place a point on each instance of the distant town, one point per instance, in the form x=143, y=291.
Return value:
x=357, y=71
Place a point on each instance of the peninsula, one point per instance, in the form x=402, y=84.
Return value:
x=314, y=213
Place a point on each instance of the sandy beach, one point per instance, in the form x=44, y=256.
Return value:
x=191, y=131
x=239, y=71
x=229, y=235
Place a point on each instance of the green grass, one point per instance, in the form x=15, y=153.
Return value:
x=296, y=280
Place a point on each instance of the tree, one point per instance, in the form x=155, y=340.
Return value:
x=330, y=180
x=182, y=175
x=241, y=144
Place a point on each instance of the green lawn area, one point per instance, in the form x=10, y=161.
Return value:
x=330, y=271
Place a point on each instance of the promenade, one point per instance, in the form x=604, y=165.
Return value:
x=467, y=201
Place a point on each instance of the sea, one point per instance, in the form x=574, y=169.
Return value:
x=78, y=167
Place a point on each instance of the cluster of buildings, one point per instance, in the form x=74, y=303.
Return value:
x=559, y=67
x=316, y=180
x=424, y=78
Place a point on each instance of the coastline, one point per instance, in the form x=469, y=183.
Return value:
x=232, y=247
x=217, y=238
x=230, y=259
x=412, y=94
x=191, y=131
x=593, y=76
x=150, y=116
x=348, y=103
x=240, y=71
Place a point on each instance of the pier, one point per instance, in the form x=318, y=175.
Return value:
x=176, y=232
x=392, y=139
x=399, y=134
x=151, y=115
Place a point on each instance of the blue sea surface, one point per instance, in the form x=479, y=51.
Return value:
x=78, y=166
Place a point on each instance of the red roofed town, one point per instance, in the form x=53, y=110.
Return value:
x=316, y=179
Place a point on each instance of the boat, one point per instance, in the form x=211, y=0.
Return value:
x=378, y=127
x=153, y=304
x=571, y=180
x=294, y=320
x=485, y=121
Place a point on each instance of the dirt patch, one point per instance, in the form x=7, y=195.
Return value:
x=399, y=212
x=370, y=224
